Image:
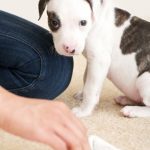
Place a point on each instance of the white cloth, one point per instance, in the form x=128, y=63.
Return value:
x=97, y=143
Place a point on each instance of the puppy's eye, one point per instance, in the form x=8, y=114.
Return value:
x=54, y=23
x=83, y=23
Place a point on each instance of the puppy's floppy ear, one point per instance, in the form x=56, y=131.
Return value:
x=91, y=6
x=42, y=5
x=90, y=3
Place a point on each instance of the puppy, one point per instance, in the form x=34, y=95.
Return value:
x=116, y=45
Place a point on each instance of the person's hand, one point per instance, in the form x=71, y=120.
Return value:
x=43, y=121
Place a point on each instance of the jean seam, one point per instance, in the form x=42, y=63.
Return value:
x=19, y=66
x=35, y=80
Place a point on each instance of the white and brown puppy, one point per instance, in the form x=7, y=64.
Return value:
x=116, y=45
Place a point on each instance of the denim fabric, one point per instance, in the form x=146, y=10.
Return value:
x=29, y=64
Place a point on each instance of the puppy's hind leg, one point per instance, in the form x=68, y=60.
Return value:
x=143, y=86
x=123, y=100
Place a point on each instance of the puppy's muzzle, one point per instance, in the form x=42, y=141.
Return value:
x=69, y=49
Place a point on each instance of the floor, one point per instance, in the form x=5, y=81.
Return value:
x=106, y=121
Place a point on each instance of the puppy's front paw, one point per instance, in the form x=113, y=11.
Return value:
x=79, y=112
x=78, y=95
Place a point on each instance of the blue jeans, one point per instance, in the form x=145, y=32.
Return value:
x=29, y=64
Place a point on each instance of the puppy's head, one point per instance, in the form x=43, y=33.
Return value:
x=70, y=22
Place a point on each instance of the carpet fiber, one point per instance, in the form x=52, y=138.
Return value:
x=106, y=120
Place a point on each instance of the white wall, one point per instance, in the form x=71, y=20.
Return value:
x=28, y=8
x=139, y=8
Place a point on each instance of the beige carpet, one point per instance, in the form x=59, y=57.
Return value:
x=106, y=121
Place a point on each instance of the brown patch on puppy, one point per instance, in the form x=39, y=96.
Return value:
x=90, y=3
x=41, y=6
x=53, y=21
x=121, y=16
x=136, y=38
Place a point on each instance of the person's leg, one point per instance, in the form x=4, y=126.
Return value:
x=29, y=65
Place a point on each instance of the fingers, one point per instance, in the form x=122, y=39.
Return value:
x=74, y=128
x=72, y=141
x=62, y=129
x=53, y=140
x=86, y=145
x=76, y=121
x=72, y=122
